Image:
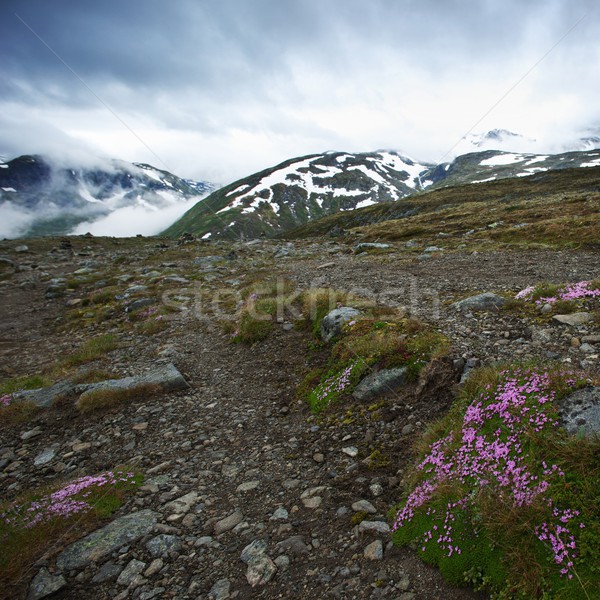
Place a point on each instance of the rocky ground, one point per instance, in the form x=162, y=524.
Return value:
x=242, y=484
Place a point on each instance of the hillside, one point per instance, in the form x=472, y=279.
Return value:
x=304, y=189
x=43, y=198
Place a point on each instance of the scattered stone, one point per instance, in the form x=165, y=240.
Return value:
x=591, y=339
x=325, y=265
x=247, y=486
x=44, y=457
x=22, y=248
x=580, y=412
x=220, y=590
x=281, y=514
x=163, y=544
x=351, y=451
x=260, y=571
x=131, y=571
x=27, y=435
x=364, y=506
x=253, y=550
x=45, y=397
x=108, y=571
x=380, y=382
x=310, y=497
x=101, y=543
x=487, y=301
x=181, y=505
x=366, y=246
x=318, y=457
x=44, y=584
x=295, y=545
x=373, y=527
x=332, y=323
x=228, y=523
x=574, y=319
x=155, y=566
x=374, y=551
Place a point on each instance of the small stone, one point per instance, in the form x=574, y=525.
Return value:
x=27, y=435
x=374, y=551
x=487, y=301
x=575, y=342
x=247, y=486
x=312, y=502
x=318, y=457
x=588, y=348
x=281, y=514
x=107, y=572
x=44, y=457
x=220, y=590
x=253, y=550
x=364, y=506
x=376, y=489
x=44, y=584
x=228, y=523
x=163, y=544
x=155, y=566
x=282, y=562
x=293, y=545
x=373, y=527
x=182, y=505
x=131, y=571
x=80, y=447
x=260, y=571
x=140, y=426
x=574, y=319
x=351, y=451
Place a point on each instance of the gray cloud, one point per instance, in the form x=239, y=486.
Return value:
x=219, y=88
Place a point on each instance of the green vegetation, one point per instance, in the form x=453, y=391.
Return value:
x=91, y=350
x=502, y=498
x=367, y=345
x=108, y=398
x=31, y=524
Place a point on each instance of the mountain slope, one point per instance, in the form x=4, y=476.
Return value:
x=52, y=200
x=303, y=189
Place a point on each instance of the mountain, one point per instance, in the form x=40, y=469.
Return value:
x=310, y=187
x=42, y=198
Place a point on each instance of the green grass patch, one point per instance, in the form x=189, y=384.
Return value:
x=503, y=499
x=29, y=382
x=93, y=349
x=18, y=412
x=109, y=398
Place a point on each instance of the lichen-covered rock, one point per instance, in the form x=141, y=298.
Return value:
x=580, y=412
x=332, y=323
x=379, y=383
x=487, y=301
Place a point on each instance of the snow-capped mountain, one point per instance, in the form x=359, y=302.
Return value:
x=310, y=187
x=39, y=197
x=305, y=188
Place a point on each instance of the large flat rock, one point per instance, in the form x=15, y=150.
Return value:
x=96, y=545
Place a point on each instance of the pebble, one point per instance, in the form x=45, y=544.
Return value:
x=228, y=523
x=374, y=551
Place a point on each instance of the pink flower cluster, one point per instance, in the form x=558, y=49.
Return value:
x=5, y=400
x=335, y=384
x=490, y=451
x=571, y=291
x=65, y=502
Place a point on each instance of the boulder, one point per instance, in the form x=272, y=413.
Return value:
x=332, y=323
x=574, y=319
x=366, y=246
x=580, y=412
x=380, y=382
x=487, y=301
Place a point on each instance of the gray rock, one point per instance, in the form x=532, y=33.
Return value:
x=487, y=301
x=580, y=412
x=380, y=382
x=574, y=319
x=21, y=248
x=163, y=544
x=45, y=456
x=364, y=506
x=166, y=377
x=281, y=514
x=253, y=550
x=139, y=304
x=260, y=571
x=182, y=505
x=207, y=262
x=99, y=544
x=366, y=246
x=108, y=571
x=45, y=397
x=332, y=323
x=373, y=527
x=133, y=569
x=247, y=486
x=228, y=523
x=293, y=545
x=44, y=584
x=374, y=551
x=220, y=590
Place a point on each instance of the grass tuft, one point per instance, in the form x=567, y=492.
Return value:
x=108, y=398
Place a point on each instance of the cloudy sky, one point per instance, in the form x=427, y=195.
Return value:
x=217, y=89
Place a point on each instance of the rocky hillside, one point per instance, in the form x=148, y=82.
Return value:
x=45, y=199
x=246, y=493
x=304, y=189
